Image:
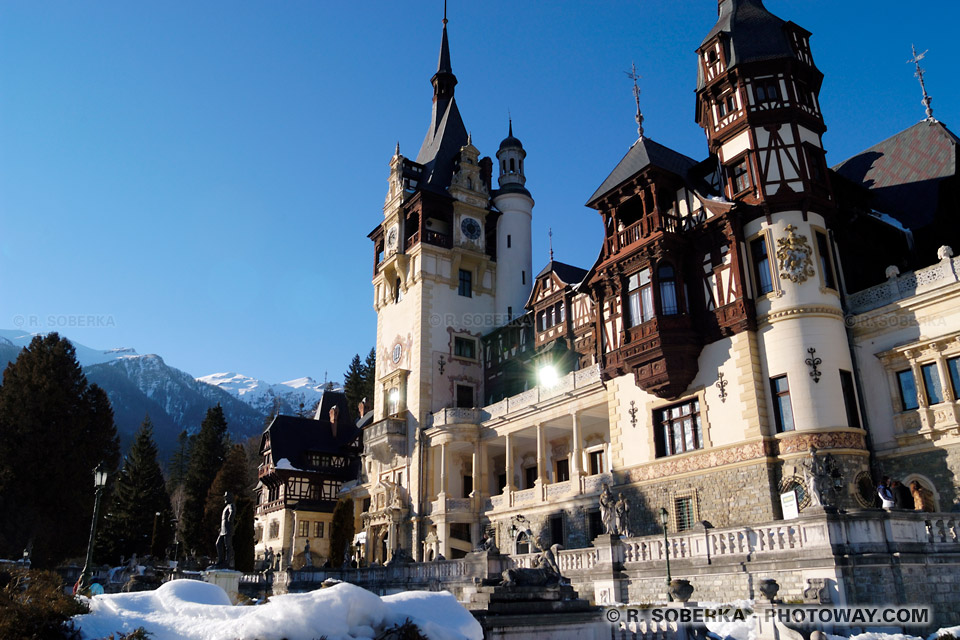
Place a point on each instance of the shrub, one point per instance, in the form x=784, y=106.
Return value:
x=33, y=606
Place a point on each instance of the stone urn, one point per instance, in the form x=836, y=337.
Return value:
x=769, y=589
x=680, y=590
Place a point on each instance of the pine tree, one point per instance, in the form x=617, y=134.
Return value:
x=369, y=378
x=233, y=477
x=179, y=461
x=206, y=457
x=353, y=384
x=132, y=525
x=341, y=531
x=56, y=428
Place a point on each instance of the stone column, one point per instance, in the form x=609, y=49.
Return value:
x=576, y=455
x=443, y=469
x=475, y=473
x=508, y=467
x=541, y=457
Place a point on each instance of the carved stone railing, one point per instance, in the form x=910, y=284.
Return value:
x=903, y=286
x=526, y=496
x=386, y=438
x=571, y=382
x=387, y=426
x=593, y=484
x=498, y=502
x=558, y=489
x=456, y=415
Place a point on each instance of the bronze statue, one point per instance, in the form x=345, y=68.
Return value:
x=225, y=539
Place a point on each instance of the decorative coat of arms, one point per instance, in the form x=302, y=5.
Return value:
x=794, y=256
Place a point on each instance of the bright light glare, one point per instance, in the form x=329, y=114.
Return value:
x=548, y=376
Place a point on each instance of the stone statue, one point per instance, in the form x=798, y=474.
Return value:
x=225, y=539
x=268, y=559
x=622, y=510
x=400, y=556
x=608, y=510
x=307, y=558
x=545, y=573
x=823, y=478
x=488, y=543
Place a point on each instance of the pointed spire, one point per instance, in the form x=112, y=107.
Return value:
x=919, y=76
x=397, y=152
x=444, y=64
x=510, y=127
x=633, y=75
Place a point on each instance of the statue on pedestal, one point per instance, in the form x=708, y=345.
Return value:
x=608, y=513
x=225, y=539
x=545, y=572
x=622, y=510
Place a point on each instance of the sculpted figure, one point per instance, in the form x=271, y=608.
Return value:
x=608, y=510
x=545, y=573
x=622, y=509
x=225, y=539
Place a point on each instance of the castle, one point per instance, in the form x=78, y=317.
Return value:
x=756, y=324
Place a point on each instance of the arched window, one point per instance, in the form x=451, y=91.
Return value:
x=523, y=543
x=668, y=290
x=469, y=183
x=513, y=166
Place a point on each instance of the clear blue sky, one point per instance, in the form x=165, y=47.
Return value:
x=200, y=177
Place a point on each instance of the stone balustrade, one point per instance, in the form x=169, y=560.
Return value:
x=905, y=285
x=573, y=381
x=454, y=416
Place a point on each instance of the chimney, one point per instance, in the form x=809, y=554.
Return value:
x=362, y=407
x=334, y=414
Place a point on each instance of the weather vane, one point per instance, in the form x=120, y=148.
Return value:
x=632, y=74
x=550, y=233
x=919, y=76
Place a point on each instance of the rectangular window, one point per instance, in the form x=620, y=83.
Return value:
x=640, y=292
x=466, y=284
x=953, y=365
x=274, y=529
x=826, y=264
x=465, y=348
x=464, y=396
x=594, y=524
x=908, y=390
x=303, y=530
x=931, y=380
x=761, y=266
x=556, y=529
x=683, y=507
x=849, y=399
x=508, y=241
x=767, y=91
x=563, y=470
x=523, y=276
x=596, y=462
x=530, y=476
x=501, y=482
x=782, y=410
x=740, y=176
x=318, y=529
x=679, y=428
x=467, y=486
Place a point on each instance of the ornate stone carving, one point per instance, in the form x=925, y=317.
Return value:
x=945, y=252
x=794, y=256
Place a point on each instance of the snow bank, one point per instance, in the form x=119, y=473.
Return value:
x=194, y=610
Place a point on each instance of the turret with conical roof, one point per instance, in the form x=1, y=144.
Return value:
x=514, y=249
x=510, y=156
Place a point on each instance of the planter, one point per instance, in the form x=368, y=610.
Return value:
x=681, y=590
x=769, y=589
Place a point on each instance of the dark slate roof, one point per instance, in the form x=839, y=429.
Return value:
x=510, y=141
x=904, y=172
x=441, y=146
x=754, y=34
x=644, y=152
x=292, y=437
x=566, y=272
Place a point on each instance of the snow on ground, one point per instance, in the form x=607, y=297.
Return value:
x=194, y=610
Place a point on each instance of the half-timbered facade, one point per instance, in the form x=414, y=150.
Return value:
x=692, y=367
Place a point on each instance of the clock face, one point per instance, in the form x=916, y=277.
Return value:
x=392, y=237
x=470, y=228
x=397, y=352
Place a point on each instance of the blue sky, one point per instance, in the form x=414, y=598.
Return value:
x=197, y=179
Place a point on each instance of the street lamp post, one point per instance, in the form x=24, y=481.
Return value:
x=99, y=482
x=664, y=519
x=153, y=536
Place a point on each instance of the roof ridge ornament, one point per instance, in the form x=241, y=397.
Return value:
x=632, y=74
x=550, y=234
x=918, y=74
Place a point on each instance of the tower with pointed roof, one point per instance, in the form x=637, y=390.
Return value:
x=514, y=248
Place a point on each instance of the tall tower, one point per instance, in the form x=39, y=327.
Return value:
x=514, y=252
x=435, y=275
x=757, y=101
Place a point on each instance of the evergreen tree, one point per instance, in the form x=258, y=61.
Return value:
x=55, y=429
x=132, y=524
x=179, y=461
x=369, y=378
x=341, y=531
x=353, y=384
x=233, y=477
x=207, y=454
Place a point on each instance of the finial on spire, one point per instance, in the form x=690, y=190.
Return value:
x=632, y=74
x=510, y=124
x=550, y=233
x=444, y=13
x=469, y=137
x=919, y=76
x=397, y=152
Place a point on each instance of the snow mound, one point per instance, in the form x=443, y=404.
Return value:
x=193, y=610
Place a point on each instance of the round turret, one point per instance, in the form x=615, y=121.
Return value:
x=510, y=158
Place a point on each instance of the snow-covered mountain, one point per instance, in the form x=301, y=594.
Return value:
x=176, y=401
x=269, y=398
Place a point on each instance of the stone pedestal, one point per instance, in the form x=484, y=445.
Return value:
x=769, y=628
x=521, y=613
x=226, y=579
x=609, y=582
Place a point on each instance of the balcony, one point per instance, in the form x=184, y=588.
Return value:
x=386, y=438
x=568, y=385
x=456, y=415
x=451, y=505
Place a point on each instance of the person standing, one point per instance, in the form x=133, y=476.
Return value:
x=922, y=497
x=886, y=496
